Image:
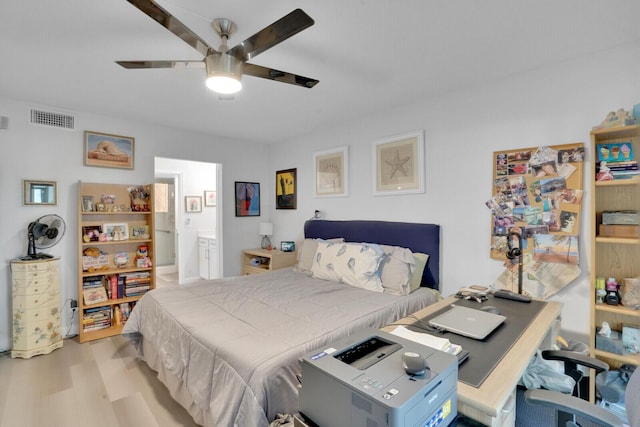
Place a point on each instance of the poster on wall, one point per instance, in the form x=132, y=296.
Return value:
x=247, y=198
x=537, y=197
x=286, y=197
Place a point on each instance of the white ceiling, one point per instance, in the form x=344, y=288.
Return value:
x=368, y=55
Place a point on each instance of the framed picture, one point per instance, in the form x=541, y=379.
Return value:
x=116, y=231
x=398, y=163
x=139, y=231
x=286, y=189
x=39, y=193
x=193, y=203
x=247, y=198
x=331, y=172
x=91, y=233
x=87, y=204
x=106, y=150
x=209, y=198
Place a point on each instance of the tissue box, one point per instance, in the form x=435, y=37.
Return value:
x=612, y=344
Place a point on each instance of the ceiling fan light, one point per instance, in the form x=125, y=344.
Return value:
x=223, y=84
x=223, y=73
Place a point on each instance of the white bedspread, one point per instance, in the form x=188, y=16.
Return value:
x=228, y=349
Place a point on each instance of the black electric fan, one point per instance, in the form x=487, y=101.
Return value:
x=43, y=233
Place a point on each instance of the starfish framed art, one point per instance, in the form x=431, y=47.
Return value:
x=398, y=163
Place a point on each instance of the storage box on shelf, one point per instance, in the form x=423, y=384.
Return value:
x=615, y=250
x=115, y=255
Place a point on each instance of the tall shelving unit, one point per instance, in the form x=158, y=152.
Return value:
x=92, y=212
x=617, y=257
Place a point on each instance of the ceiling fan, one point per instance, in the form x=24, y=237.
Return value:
x=225, y=66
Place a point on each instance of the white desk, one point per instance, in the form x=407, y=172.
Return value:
x=494, y=402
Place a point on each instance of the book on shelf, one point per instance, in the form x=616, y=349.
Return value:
x=95, y=294
x=125, y=310
x=96, y=318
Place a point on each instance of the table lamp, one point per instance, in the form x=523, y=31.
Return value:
x=266, y=231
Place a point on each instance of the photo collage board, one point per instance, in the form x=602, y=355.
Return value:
x=538, y=193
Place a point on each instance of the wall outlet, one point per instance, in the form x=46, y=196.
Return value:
x=74, y=303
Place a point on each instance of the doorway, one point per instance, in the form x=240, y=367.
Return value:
x=177, y=229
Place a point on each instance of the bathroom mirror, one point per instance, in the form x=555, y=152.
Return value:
x=39, y=193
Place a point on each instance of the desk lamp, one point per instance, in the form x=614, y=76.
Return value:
x=266, y=231
x=513, y=253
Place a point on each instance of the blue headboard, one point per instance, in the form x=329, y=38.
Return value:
x=424, y=238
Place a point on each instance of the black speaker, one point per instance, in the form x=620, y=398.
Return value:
x=513, y=253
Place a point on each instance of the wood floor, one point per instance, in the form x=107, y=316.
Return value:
x=98, y=384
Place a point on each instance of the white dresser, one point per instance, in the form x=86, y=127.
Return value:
x=36, y=307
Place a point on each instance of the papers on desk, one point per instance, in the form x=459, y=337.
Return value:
x=441, y=344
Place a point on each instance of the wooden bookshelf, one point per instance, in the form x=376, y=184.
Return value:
x=105, y=207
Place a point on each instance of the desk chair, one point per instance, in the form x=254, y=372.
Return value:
x=568, y=407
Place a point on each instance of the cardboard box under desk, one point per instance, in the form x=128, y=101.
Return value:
x=619, y=230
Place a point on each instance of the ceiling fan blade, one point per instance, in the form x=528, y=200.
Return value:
x=171, y=23
x=271, y=35
x=279, y=76
x=160, y=64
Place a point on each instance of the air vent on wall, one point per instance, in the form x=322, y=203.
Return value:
x=52, y=119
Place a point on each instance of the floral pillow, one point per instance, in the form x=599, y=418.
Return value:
x=307, y=252
x=355, y=264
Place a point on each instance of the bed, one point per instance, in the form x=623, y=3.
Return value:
x=228, y=349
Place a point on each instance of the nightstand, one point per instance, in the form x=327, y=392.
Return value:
x=256, y=261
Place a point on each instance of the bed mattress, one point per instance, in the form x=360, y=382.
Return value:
x=228, y=349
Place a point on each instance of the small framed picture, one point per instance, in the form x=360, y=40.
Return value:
x=209, y=198
x=101, y=207
x=287, y=246
x=91, y=233
x=139, y=231
x=116, y=231
x=193, y=203
x=87, y=204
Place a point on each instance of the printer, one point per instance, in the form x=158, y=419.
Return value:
x=363, y=380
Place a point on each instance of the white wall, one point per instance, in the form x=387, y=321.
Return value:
x=42, y=153
x=555, y=105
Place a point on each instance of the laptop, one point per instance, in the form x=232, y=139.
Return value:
x=468, y=322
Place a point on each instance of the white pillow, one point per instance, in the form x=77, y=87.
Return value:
x=416, y=278
x=355, y=264
x=396, y=269
x=307, y=252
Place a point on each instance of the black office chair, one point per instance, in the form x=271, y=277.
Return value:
x=567, y=407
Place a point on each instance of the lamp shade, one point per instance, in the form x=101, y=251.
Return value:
x=266, y=229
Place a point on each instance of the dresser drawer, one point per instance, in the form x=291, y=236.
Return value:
x=33, y=266
x=43, y=299
x=30, y=315
x=38, y=285
x=36, y=334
